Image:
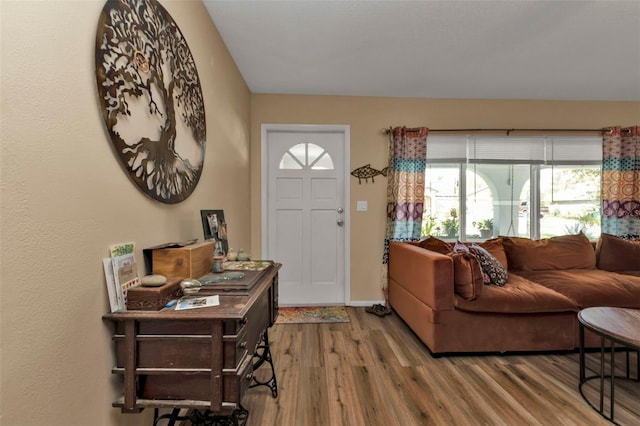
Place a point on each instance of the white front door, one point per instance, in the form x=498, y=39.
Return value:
x=305, y=226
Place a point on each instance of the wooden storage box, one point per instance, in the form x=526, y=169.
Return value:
x=192, y=261
x=153, y=298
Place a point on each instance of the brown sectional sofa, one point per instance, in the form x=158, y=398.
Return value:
x=549, y=281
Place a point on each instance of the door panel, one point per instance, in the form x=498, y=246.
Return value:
x=324, y=265
x=289, y=246
x=288, y=189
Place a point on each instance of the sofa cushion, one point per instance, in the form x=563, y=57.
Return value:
x=467, y=275
x=564, y=252
x=617, y=254
x=492, y=270
x=518, y=296
x=633, y=273
x=436, y=244
x=589, y=287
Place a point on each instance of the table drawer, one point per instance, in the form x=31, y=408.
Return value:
x=197, y=386
x=246, y=376
x=235, y=348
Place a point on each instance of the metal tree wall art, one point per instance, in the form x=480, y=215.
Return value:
x=151, y=98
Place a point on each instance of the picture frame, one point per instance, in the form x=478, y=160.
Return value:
x=214, y=228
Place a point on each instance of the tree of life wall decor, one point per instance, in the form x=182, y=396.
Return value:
x=151, y=99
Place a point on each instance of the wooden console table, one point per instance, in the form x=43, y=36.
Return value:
x=201, y=359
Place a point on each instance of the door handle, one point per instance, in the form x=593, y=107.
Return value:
x=340, y=210
x=340, y=222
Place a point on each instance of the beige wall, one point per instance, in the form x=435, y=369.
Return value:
x=367, y=116
x=65, y=200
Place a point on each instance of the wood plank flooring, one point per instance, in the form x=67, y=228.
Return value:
x=375, y=371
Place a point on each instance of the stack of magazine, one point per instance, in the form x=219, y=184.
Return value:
x=121, y=273
x=191, y=302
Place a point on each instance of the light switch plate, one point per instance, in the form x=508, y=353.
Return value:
x=361, y=206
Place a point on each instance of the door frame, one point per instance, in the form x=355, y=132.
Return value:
x=345, y=129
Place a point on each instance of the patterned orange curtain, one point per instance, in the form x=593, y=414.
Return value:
x=405, y=188
x=621, y=181
x=405, y=184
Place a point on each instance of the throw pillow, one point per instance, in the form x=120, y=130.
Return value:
x=492, y=270
x=563, y=252
x=630, y=237
x=617, y=254
x=435, y=244
x=467, y=275
x=459, y=247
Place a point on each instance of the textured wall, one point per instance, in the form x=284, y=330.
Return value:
x=65, y=200
x=367, y=116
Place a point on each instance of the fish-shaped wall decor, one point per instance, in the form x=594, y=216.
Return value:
x=367, y=172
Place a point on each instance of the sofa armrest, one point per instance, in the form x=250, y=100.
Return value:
x=424, y=273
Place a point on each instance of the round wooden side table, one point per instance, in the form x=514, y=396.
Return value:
x=615, y=326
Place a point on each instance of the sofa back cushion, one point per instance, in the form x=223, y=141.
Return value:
x=617, y=254
x=564, y=252
x=467, y=275
x=436, y=244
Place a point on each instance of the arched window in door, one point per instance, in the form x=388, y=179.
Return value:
x=306, y=156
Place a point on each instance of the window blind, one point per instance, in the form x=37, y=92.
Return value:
x=513, y=150
x=575, y=150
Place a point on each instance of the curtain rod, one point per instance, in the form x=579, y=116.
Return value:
x=508, y=131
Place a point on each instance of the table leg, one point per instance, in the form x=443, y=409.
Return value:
x=582, y=366
x=262, y=357
x=627, y=352
x=172, y=417
x=602, y=374
x=613, y=373
x=205, y=418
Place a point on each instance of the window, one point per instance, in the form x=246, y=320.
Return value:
x=306, y=155
x=534, y=187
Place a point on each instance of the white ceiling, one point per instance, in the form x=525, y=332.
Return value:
x=557, y=49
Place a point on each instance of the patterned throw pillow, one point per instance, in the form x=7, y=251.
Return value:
x=492, y=270
x=496, y=248
x=459, y=247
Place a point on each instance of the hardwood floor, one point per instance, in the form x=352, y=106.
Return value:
x=375, y=371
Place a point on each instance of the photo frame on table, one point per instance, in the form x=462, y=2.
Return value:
x=215, y=229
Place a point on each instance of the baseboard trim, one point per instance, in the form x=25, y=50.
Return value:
x=357, y=303
x=354, y=303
